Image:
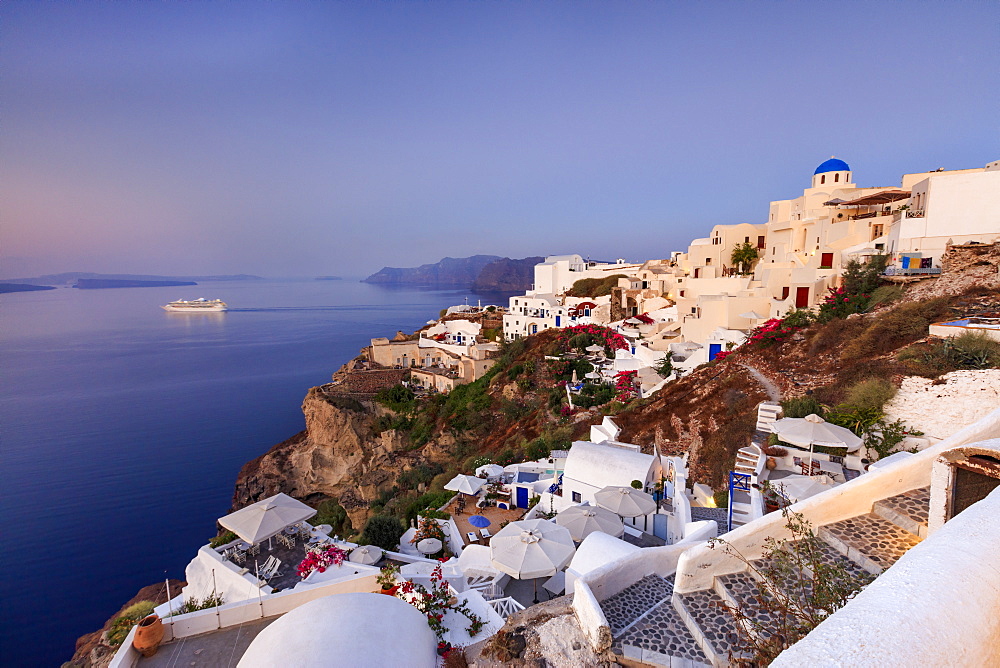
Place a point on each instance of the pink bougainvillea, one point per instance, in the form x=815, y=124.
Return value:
x=320, y=559
x=625, y=385
x=611, y=338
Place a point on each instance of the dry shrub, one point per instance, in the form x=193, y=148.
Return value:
x=718, y=452
x=896, y=328
x=871, y=393
x=455, y=658
x=834, y=333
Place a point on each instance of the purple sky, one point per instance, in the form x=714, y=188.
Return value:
x=293, y=138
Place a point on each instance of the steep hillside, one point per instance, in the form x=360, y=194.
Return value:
x=450, y=271
x=390, y=453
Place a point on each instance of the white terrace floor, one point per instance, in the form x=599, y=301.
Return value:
x=224, y=647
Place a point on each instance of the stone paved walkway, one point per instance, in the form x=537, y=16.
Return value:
x=710, y=614
x=909, y=510
x=873, y=542
x=622, y=609
x=662, y=631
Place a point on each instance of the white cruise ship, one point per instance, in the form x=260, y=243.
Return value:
x=200, y=305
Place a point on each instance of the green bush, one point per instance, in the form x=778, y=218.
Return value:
x=665, y=366
x=594, y=395
x=431, y=500
x=594, y=287
x=332, y=513
x=799, y=407
x=537, y=449
x=972, y=350
x=421, y=473
x=721, y=498
x=222, y=539
x=131, y=615
x=870, y=394
x=383, y=531
x=398, y=397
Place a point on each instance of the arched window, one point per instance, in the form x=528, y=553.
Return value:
x=822, y=179
x=836, y=177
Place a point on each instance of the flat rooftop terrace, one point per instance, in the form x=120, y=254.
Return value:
x=224, y=647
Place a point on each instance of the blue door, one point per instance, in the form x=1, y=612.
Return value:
x=713, y=350
x=522, y=497
x=558, y=320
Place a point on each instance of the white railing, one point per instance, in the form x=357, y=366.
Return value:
x=505, y=607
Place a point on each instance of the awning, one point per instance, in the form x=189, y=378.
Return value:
x=883, y=197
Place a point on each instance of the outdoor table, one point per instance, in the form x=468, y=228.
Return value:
x=242, y=546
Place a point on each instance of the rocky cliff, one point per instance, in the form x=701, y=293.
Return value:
x=507, y=275
x=339, y=455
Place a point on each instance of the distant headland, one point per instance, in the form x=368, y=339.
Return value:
x=478, y=272
x=92, y=281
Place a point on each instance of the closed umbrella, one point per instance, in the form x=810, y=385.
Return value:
x=625, y=501
x=585, y=520
x=465, y=484
x=531, y=549
x=813, y=430
x=367, y=554
x=264, y=519
x=429, y=546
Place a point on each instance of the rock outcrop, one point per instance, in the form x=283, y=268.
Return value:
x=337, y=456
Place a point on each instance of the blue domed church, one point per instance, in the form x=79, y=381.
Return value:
x=834, y=172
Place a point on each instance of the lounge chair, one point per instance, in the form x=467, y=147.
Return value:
x=485, y=532
x=270, y=568
x=472, y=537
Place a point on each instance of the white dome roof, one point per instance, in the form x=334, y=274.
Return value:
x=346, y=630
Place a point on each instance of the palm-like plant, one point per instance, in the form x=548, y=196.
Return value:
x=743, y=256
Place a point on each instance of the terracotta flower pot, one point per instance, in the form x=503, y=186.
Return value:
x=391, y=591
x=771, y=464
x=148, y=635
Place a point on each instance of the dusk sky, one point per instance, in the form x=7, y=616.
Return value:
x=302, y=139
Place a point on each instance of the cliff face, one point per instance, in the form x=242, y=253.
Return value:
x=336, y=456
x=450, y=271
x=506, y=275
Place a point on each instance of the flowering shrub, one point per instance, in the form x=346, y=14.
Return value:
x=612, y=339
x=723, y=354
x=644, y=319
x=773, y=331
x=429, y=528
x=624, y=385
x=321, y=558
x=566, y=411
x=839, y=303
x=435, y=602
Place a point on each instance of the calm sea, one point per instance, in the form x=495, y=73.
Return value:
x=124, y=426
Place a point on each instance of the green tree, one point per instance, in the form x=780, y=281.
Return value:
x=382, y=530
x=744, y=256
x=665, y=366
x=537, y=449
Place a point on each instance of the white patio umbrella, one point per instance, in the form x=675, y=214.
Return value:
x=813, y=430
x=465, y=484
x=593, y=375
x=259, y=521
x=625, y=501
x=531, y=549
x=594, y=349
x=585, y=520
x=753, y=315
x=367, y=554
x=429, y=546
x=490, y=470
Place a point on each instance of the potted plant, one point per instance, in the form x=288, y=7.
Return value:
x=387, y=579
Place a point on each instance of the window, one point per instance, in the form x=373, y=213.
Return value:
x=822, y=179
x=760, y=242
x=577, y=498
x=708, y=261
x=682, y=293
x=746, y=240
x=826, y=261
x=836, y=177
x=694, y=309
x=784, y=293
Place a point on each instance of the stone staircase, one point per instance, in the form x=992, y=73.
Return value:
x=653, y=625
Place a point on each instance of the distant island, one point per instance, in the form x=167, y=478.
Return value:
x=329, y=278
x=23, y=287
x=104, y=283
x=73, y=277
x=478, y=272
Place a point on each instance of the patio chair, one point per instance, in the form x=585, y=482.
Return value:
x=486, y=533
x=270, y=568
x=236, y=555
x=473, y=538
x=254, y=550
